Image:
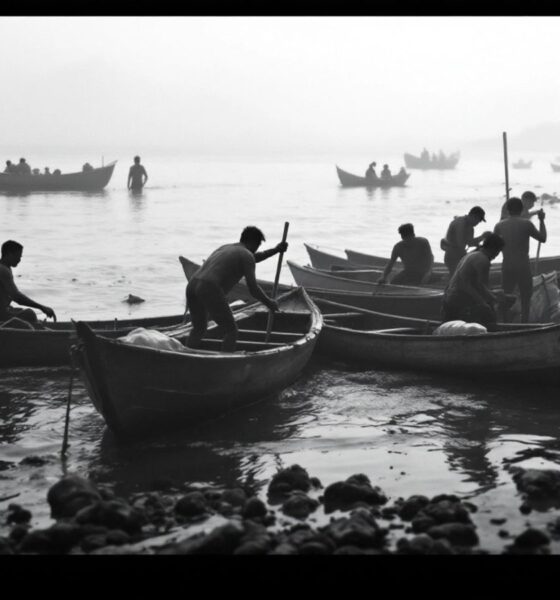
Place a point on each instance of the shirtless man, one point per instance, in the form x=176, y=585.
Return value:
x=516, y=270
x=207, y=290
x=370, y=172
x=460, y=235
x=416, y=255
x=137, y=176
x=11, y=256
x=528, y=198
x=467, y=296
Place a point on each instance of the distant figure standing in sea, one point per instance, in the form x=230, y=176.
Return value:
x=137, y=176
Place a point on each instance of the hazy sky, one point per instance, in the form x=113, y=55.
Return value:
x=279, y=84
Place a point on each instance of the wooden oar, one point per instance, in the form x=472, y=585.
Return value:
x=504, y=136
x=275, y=286
x=536, y=271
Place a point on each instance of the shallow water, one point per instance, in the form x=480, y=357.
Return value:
x=410, y=433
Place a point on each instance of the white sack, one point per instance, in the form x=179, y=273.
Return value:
x=460, y=328
x=149, y=338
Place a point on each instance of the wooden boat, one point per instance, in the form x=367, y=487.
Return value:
x=521, y=164
x=321, y=259
x=445, y=163
x=384, y=340
x=427, y=305
x=314, y=278
x=140, y=390
x=350, y=180
x=555, y=168
x=51, y=346
x=82, y=181
x=546, y=263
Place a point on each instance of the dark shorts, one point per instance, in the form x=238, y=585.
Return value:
x=26, y=314
x=518, y=276
x=207, y=299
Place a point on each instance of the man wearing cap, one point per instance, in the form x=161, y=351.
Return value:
x=467, y=296
x=528, y=198
x=516, y=270
x=460, y=235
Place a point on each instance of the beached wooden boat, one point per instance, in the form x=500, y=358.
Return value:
x=417, y=162
x=82, y=181
x=350, y=180
x=545, y=265
x=427, y=305
x=309, y=277
x=140, y=390
x=22, y=346
x=555, y=168
x=521, y=164
x=372, y=339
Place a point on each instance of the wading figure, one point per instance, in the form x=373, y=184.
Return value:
x=11, y=256
x=207, y=290
x=137, y=176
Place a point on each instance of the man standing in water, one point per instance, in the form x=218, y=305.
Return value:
x=467, y=296
x=528, y=198
x=416, y=255
x=11, y=256
x=208, y=288
x=137, y=176
x=516, y=270
x=460, y=235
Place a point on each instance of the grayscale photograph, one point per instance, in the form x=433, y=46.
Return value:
x=279, y=285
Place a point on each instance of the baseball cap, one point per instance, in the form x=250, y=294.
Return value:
x=479, y=211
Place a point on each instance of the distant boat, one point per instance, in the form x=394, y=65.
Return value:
x=350, y=180
x=441, y=162
x=82, y=181
x=555, y=168
x=521, y=164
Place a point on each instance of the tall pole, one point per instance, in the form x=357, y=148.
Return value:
x=275, y=285
x=504, y=135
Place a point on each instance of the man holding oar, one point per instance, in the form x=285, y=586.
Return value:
x=11, y=257
x=209, y=286
x=516, y=231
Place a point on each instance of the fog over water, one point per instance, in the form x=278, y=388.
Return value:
x=273, y=84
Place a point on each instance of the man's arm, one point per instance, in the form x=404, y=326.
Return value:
x=389, y=267
x=254, y=288
x=539, y=235
x=145, y=173
x=260, y=256
x=9, y=285
x=430, y=261
x=129, y=178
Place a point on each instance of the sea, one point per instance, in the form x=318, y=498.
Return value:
x=409, y=432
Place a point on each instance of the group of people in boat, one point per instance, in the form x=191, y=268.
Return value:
x=385, y=174
x=23, y=168
x=467, y=295
x=436, y=158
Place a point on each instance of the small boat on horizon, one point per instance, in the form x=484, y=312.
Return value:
x=351, y=180
x=521, y=164
x=426, y=162
x=91, y=180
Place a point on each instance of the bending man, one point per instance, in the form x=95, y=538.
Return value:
x=11, y=257
x=416, y=255
x=207, y=290
x=467, y=296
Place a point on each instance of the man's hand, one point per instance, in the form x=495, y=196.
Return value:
x=541, y=214
x=273, y=305
x=281, y=247
x=49, y=312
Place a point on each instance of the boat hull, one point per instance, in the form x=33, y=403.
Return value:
x=350, y=180
x=139, y=390
x=415, y=162
x=86, y=181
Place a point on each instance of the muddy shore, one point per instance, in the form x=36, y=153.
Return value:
x=298, y=516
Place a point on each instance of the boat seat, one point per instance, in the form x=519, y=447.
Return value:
x=341, y=314
x=244, y=343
